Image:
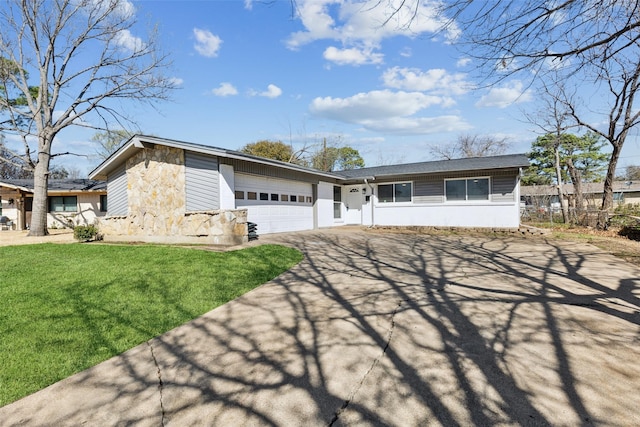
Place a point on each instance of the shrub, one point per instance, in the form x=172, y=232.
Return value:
x=620, y=218
x=84, y=233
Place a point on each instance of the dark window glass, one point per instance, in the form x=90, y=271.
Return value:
x=63, y=204
x=385, y=193
x=402, y=192
x=478, y=189
x=264, y=196
x=455, y=189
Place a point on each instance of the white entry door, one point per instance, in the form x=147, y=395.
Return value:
x=353, y=204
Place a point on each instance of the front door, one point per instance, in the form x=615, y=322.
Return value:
x=353, y=204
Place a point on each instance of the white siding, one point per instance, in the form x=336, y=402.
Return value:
x=201, y=182
x=324, y=205
x=117, y=192
x=227, y=186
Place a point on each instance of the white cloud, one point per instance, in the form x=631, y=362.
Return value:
x=176, y=81
x=406, y=52
x=352, y=56
x=502, y=97
x=207, y=44
x=463, y=62
x=364, y=24
x=272, y=91
x=387, y=111
x=418, y=125
x=225, y=89
x=437, y=81
x=125, y=39
x=122, y=8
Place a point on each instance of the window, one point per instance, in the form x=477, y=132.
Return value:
x=309, y=199
x=395, y=193
x=63, y=204
x=293, y=198
x=252, y=195
x=337, y=202
x=274, y=197
x=103, y=203
x=284, y=197
x=239, y=195
x=301, y=199
x=467, y=189
x=264, y=196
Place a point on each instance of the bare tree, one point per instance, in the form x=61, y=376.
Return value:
x=470, y=146
x=84, y=59
x=109, y=141
x=537, y=35
x=621, y=75
x=597, y=42
x=553, y=119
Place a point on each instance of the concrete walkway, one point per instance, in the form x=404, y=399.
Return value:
x=386, y=329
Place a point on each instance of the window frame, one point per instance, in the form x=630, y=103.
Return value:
x=394, y=193
x=66, y=204
x=466, y=190
x=337, y=202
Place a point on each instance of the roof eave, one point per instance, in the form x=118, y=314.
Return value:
x=138, y=142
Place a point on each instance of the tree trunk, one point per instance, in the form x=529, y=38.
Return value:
x=565, y=211
x=38, y=226
x=576, y=177
x=607, y=195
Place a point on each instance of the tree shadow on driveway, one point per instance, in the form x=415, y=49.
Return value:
x=387, y=329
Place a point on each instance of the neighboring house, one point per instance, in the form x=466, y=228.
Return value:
x=547, y=195
x=70, y=202
x=172, y=191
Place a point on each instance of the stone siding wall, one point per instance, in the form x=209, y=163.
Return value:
x=156, y=206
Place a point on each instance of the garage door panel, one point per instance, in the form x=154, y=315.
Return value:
x=274, y=216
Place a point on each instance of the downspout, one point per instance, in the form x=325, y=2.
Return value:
x=373, y=223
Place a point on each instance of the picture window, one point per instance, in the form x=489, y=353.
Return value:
x=395, y=193
x=63, y=204
x=470, y=189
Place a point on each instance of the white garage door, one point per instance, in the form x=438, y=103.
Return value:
x=276, y=205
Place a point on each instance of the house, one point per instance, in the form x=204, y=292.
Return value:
x=70, y=201
x=173, y=191
x=544, y=196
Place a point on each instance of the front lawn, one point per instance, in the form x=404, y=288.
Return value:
x=64, y=308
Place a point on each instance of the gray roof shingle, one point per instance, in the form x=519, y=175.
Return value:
x=61, y=184
x=440, y=166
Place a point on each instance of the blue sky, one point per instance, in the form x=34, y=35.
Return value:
x=249, y=71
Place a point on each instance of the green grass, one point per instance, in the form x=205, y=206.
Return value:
x=64, y=308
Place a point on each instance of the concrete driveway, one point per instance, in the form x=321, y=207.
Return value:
x=386, y=329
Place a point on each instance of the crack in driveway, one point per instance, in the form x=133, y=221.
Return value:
x=353, y=393
x=160, y=384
